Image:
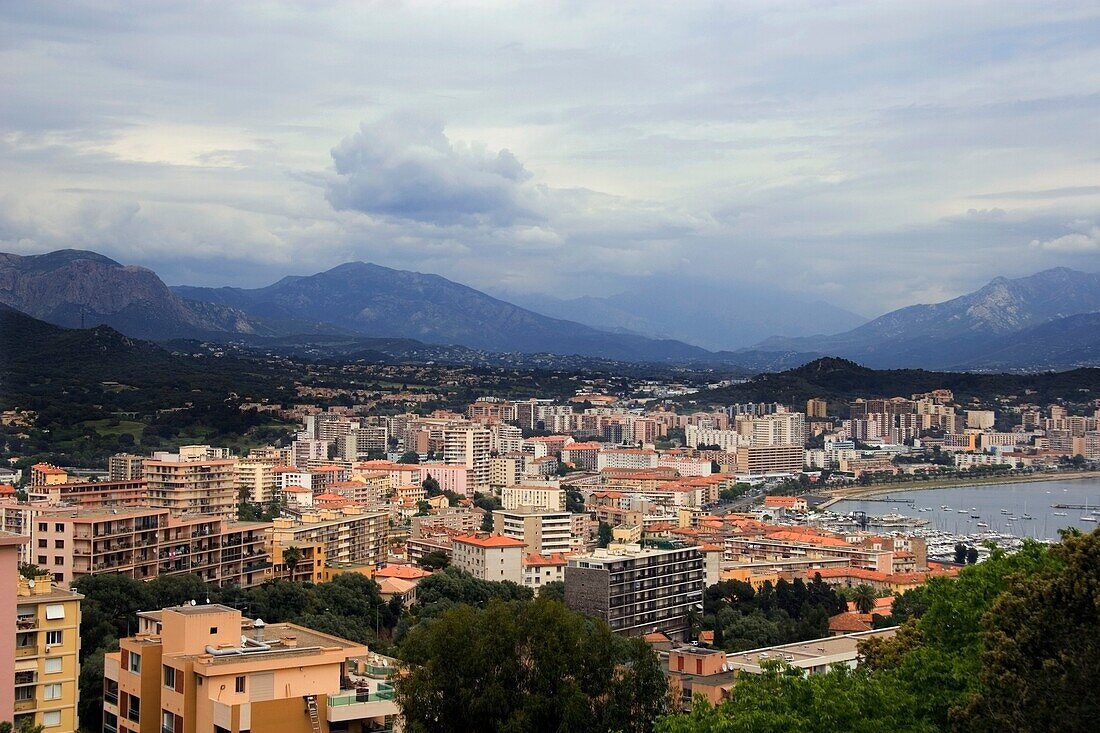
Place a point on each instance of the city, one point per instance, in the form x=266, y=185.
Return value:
x=434, y=367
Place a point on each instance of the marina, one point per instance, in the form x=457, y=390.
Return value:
x=1031, y=509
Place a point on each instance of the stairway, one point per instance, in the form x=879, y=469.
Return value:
x=314, y=716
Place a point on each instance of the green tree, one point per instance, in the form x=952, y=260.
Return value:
x=553, y=591
x=543, y=667
x=604, y=536
x=574, y=501
x=431, y=486
x=864, y=597
x=435, y=560
x=971, y=555
x=423, y=508
x=409, y=457
x=292, y=556
x=960, y=553
x=1041, y=647
x=30, y=571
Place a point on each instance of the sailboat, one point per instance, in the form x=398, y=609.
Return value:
x=1087, y=517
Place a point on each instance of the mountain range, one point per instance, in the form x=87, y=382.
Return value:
x=1050, y=320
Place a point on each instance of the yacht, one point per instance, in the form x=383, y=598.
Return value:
x=1026, y=516
x=1089, y=518
x=1059, y=514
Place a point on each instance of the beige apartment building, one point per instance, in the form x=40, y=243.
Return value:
x=506, y=470
x=256, y=479
x=47, y=652
x=758, y=460
x=143, y=543
x=125, y=467
x=468, y=445
x=206, y=668
x=188, y=483
x=350, y=535
x=542, y=497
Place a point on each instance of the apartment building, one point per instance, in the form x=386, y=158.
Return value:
x=637, y=591
x=349, y=535
x=781, y=547
x=817, y=407
x=468, y=445
x=491, y=557
x=256, y=479
x=584, y=456
x=207, y=668
x=449, y=478
x=363, y=442
x=636, y=458
x=542, y=532
x=10, y=545
x=726, y=440
x=143, y=543
x=541, y=497
x=91, y=494
x=47, y=653
x=125, y=467
x=189, y=483
x=759, y=460
x=538, y=570
x=507, y=470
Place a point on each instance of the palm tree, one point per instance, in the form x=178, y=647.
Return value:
x=291, y=557
x=864, y=597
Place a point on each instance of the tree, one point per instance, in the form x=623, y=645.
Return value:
x=960, y=553
x=435, y=560
x=553, y=591
x=604, y=536
x=574, y=501
x=487, y=522
x=864, y=597
x=292, y=556
x=431, y=486
x=409, y=457
x=971, y=555
x=31, y=571
x=423, y=508
x=1041, y=641
x=543, y=667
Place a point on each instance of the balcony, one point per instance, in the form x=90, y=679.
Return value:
x=21, y=652
x=26, y=677
x=373, y=701
x=25, y=623
x=110, y=698
x=22, y=706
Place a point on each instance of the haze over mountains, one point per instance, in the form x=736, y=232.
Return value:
x=1050, y=320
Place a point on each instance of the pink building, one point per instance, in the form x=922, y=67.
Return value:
x=450, y=477
x=9, y=582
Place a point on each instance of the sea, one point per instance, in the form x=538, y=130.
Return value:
x=1034, y=498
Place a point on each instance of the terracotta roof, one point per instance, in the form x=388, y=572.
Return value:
x=493, y=540
x=655, y=637
x=407, y=572
x=7, y=489
x=545, y=560
x=849, y=622
x=395, y=585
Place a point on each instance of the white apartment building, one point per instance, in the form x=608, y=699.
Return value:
x=626, y=458
x=493, y=558
x=542, y=532
x=726, y=440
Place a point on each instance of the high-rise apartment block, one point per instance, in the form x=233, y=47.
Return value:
x=637, y=591
x=191, y=483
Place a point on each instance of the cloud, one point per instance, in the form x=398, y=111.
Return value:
x=1085, y=240
x=405, y=167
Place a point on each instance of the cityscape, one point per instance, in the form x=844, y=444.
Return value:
x=435, y=369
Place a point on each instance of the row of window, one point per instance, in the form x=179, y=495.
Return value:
x=51, y=691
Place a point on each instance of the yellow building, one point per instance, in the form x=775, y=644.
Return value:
x=47, y=649
x=207, y=668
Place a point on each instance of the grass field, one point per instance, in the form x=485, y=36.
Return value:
x=104, y=427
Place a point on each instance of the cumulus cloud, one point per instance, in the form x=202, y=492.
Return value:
x=405, y=167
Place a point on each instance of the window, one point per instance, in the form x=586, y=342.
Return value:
x=59, y=544
x=52, y=691
x=43, y=543
x=240, y=684
x=53, y=638
x=213, y=630
x=134, y=712
x=135, y=662
x=58, y=560
x=51, y=718
x=52, y=665
x=170, y=677
x=59, y=527
x=170, y=722
x=41, y=559
x=43, y=527
x=59, y=578
x=24, y=693
x=55, y=611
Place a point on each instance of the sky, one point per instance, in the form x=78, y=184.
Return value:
x=871, y=155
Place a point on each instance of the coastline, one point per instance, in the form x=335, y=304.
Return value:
x=863, y=492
